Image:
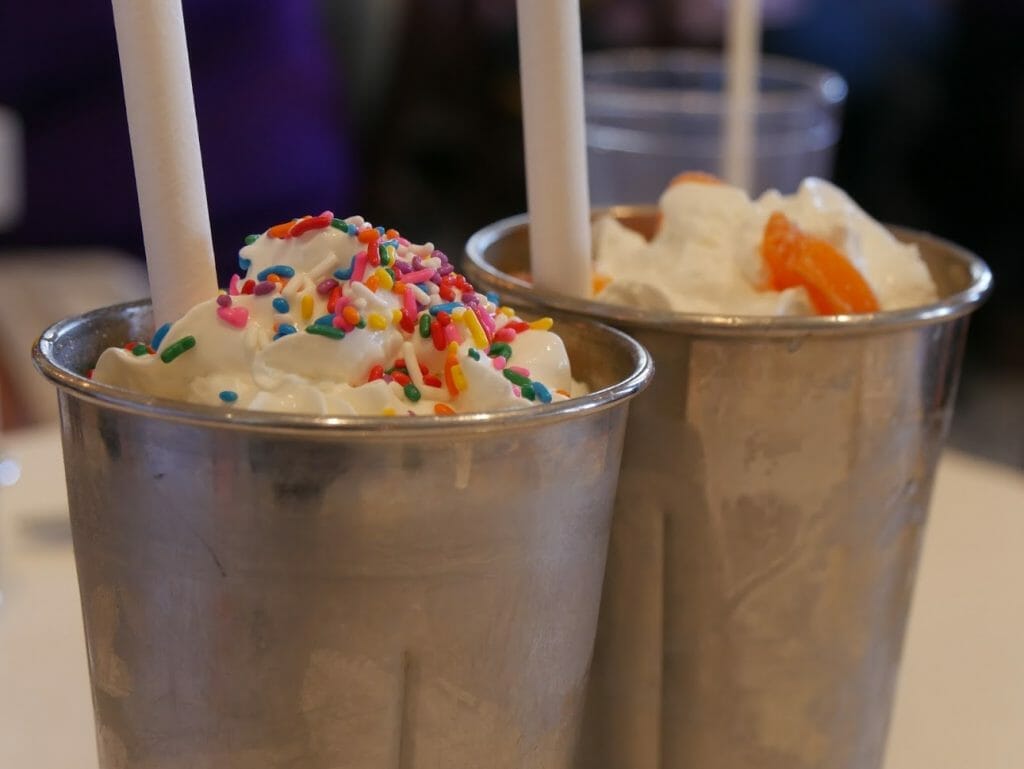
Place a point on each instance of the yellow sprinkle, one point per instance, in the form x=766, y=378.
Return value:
x=542, y=324
x=507, y=311
x=458, y=313
x=384, y=278
x=453, y=348
x=459, y=378
x=377, y=321
x=396, y=316
x=473, y=324
x=388, y=412
x=392, y=254
x=307, y=307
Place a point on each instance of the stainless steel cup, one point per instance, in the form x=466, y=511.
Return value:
x=774, y=487
x=263, y=590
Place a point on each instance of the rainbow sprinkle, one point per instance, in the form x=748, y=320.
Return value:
x=174, y=350
x=388, y=286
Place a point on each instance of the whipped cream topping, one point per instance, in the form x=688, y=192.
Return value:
x=706, y=256
x=334, y=316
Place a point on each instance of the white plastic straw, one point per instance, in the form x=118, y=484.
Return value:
x=743, y=53
x=165, y=150
x=551, y=71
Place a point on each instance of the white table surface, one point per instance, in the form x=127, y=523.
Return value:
x=960, y=701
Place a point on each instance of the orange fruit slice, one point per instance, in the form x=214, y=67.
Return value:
x=794, y=258
x=695, y=177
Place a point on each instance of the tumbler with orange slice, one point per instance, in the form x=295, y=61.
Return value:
x=773, y=493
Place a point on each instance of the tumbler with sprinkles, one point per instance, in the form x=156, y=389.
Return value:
x=340, y=584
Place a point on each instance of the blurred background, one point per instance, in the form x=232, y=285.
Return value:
x=407, y=111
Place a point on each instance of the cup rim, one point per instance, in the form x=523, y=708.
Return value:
x=827, y=87
x=425, y=425
x=634, y=141
x=948, y=308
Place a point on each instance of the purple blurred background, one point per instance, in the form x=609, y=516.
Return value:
x=408, y=112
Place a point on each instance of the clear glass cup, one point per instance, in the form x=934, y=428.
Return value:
x=654, y=113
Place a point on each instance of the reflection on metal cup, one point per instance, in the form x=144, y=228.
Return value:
x=774, y=488
x=266, y=590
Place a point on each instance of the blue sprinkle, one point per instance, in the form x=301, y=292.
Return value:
x=281, y=270
x=158, y=337
x=345, y=274
x=228, y=396
x=492, y=296
x=445, y=307
x=244, y=264
x=284, y=330
x=281, y=304
x=325, y=320
x=380, y=232
x=543, y=394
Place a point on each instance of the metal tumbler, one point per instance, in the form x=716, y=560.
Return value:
x=774, y=487
x=270, y=591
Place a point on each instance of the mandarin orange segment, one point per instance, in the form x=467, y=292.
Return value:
x=794, y=258
x=779, y=248
x=840, y=289
x=599, y=282
x=695, y=177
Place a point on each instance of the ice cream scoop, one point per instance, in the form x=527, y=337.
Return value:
x=719, y=252
x=335, y=316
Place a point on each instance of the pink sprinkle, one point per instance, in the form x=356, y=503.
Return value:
x=223, y=300
x=236, y=316
x=359, y=267
x=452, y=334
x=516, y=391
x=339, y=322
x=233, y=285
x=505, y=334
x=498, y=362
x=326, y=286
x=263, y=287
x=341, y=303
x=419, y=276
x=485, y=320
x=520, y=370
x=403, y=241
x=410, y=302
